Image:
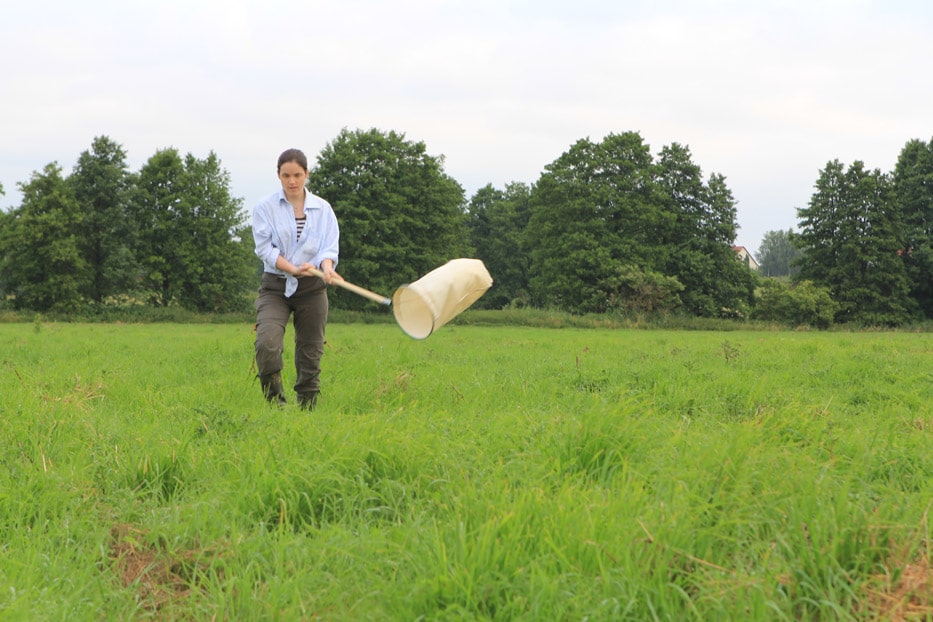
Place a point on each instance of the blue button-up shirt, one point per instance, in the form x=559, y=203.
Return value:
x=275, y=234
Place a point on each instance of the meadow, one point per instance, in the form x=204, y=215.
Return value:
x=485, y=473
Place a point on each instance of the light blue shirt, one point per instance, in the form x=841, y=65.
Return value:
x=276, y=234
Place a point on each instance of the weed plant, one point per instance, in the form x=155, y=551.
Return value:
x=485, y=473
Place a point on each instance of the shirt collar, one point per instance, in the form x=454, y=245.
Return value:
x=283, y=199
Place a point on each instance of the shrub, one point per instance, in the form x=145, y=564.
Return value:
x=642, y=291
x=803, y=304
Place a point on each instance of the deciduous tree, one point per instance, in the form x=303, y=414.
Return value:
x=400, y=214
x=41, y=261
x=594, y=216
x=851, y=235
x=498, y=222
x=606, y=215
x=696, y=243
x=101, y=184
x=913, y=189
x=188, y=249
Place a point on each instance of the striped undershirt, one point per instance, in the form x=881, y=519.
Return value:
x=301, y=225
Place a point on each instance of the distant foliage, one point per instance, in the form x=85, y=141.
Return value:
x=778, y=255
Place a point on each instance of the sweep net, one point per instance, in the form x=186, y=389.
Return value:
x=436, y=298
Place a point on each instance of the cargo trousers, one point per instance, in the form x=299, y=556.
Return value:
x=308, y=306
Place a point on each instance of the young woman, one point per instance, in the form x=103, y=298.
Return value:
x=294, y=231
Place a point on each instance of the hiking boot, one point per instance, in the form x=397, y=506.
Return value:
x=272, y=388
x=307, y=401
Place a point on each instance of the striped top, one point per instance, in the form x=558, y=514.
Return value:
x=300, y=225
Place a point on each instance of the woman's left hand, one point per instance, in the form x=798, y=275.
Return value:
x=329, y=273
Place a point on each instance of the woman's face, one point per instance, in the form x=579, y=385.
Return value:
x=293, y=179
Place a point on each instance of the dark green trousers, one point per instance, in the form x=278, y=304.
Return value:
x=308, y=307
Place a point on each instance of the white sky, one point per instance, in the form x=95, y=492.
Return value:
x=765, y=93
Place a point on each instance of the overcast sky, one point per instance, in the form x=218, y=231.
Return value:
x=764, y=93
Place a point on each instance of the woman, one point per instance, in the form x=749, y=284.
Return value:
x=295, y=232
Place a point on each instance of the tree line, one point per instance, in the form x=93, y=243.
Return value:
x=167, y=234
x=609, y=227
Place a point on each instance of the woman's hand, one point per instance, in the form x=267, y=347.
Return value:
x=327, y=267
x=326, y=271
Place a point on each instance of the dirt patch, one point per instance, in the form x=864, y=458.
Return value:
x=909, y=598
x=159, y=576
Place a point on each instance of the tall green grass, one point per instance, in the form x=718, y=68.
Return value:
x=497, y=473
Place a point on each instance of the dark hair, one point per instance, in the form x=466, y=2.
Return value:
x=293, y=155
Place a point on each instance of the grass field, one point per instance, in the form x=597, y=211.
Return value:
x=485, y=473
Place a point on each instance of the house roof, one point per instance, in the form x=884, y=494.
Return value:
x=745, y=255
